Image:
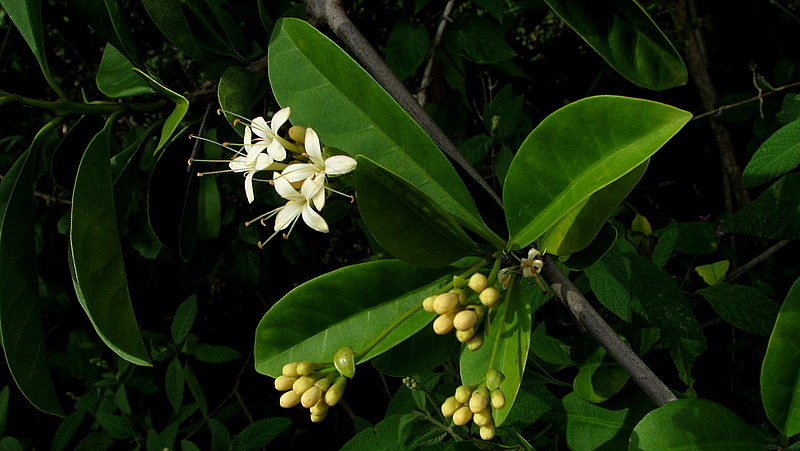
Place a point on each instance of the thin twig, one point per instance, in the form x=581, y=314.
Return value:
x=422, y=93
x=45, y=196
x=756, y=260
x=719, y=110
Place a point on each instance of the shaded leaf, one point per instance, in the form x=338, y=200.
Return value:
x=774, y=214
x=743, y=306
x=174, y=383
x=27, y=17
x=170, y=19
x=66, y=430
x=406, y=48
x=174, y=119
x=238, y=92
x=260, y=433
x=67, y=155
x=599, y=247
x=116, y=77
x=480, y=41
x=419, y=353
x=205, y=352
x=779, y=154
x=184, y=319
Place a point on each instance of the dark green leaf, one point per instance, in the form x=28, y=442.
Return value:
x=3, y=410
x=743, y=306
x=116, y=77
x=694, y=238
x=350, y=306
x=533, y=401
x=215, y=353
x=66, y=430
x=406, y=48
x=494, y=7
x=779, y=154
x=67, y=155
x=183, y=319
x=237, y=93
x=419, y=353
x=548, y=348
x=170, y=19
x=480, y=41
x=95, y=254
x=575, y=152
x=27, y=17
x=259, y=434
x=95, y=441
x=209, y=209
x=174, y=383
x=599, y=377
x=609, y=279
x=197, y=390
x=627, y=38
x=108, y=19
x=774, y=214
x=121, y=399
x=220, y=437
x=790, y=110
x=174, y=119
x=118, y=426
x=406, y=222
x=593, y=253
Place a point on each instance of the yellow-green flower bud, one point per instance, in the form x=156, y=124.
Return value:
x=463, y=392
x=461, y=293
x=427, y=304
x=290, y=399
x=479, y=400
x=487, y=432
x=345, y=362
x=459, y=282
x=476, y=342
x=290, y=370
x=498, y=399
x=283, y=383
x=320, y=408
x=445, y=303
x=306, y=368
x=450, y=406
x=302, y=384
x=334, y=394
x=483, y=418
x=465, y=319
x=465, y=335
x=325, y=382
x=443, y=323
x=297, y=133
x=494, y=378
x=489, y=296
x=462, y=416
x=318, y=418
x=311, y=396
x=478, y=282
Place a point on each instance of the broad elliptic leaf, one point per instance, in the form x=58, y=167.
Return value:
x=580, y=226
x=330, y=92
x=237, y=93
x=116, y=77
x=743, y=306
x=67, y=155
x=597, y=249
x=599, y=377
x=406, y=47
x=627, y=38
x=170, y=19
x=27, y=17
x=174, y=119
x=693, y=424
x=21, y=329
x=95, y=254
x=350, y=306
x=575, y=152
x=779, y=154
x=774, y=214
x=780, y=372
x=184, y=319
x=259, y=434
x=480, y=40
x=405, y=221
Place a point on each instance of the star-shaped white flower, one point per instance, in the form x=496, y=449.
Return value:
x=262, y=162
x=299, y=205
x=267, y=137
x=318, y=164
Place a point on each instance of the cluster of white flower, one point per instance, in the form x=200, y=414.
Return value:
x=300, y=170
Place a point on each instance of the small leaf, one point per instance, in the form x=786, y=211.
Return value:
x=174, y=119
x=406, y=222
x=693, y=424
x=197, y=390
x=776, y=156
x=774, y=214
x=121, y=399
x=260, y=433
x=237, y=92
x=780, y=372
x=480, y=41
x=406, y=48
x=714, y=273
x=118, y=426
x=66, y=430
x=215, y=353
x=116, y=78
x=174, y=383
x=183, y=319
x=209, y=209
x=743, y=306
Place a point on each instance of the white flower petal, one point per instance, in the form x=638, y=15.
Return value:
x=261, y=128
x=299, y=171
x=314, y=220
x=248, y=187
x=313, y=190
x=339, y=164
x=238, y=164
x=263, y=161
x=276, y=150
x=280, y=118
x=313, y=148
x=285, y=190
x=288, y=214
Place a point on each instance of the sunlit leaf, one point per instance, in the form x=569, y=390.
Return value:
x=116, y=77
x=779, y=154
x=713, y=273
x=174, y=119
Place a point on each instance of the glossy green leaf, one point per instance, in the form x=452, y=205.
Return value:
x=580, y=226
x=95, y=254
x=575, y=152
x=116, y=77
x=170, y=19
x=350, y=306
x=779, y=154
x=421, y=352
x=743, y=306
x=774, y=214
x=406, y=222
x=27, y=17
x=693, y=424
x=21, y=330
x=330, y=92
x=780, y=372
x=714, y=273
x=174, y=119
x=511, y=330
x=238, y=92
x=599, y=377
x=627, y=38
x=597, y=249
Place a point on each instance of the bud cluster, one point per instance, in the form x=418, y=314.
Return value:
x=316, y=391
x=457, y=311
x=476, y=403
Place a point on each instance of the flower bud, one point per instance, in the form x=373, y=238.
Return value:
x=290, y=370
x=283, y=383
x=483, y=418
x=478, y=282
x=489, y=296
x=345, y=362
x=479, y=400
x=444, y=323
x=427, y=304
x=450, y=406
x=302, y=384
x=498, y=399
x=465, y=319
x=324, y=383
x=459, y=282
x=487, y=432
x=445, y=303
x=290, y=399
x=494, y=378
x=462, y=416
x=465, y=335
x=334, y=394
x=320, y=408
x=311, y=397
x=463, y=392
x=297, y=133
x=476, y=342
x=461, y=293
x=318, y=418
x=306, y=368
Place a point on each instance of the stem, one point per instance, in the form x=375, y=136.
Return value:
x=506, y=303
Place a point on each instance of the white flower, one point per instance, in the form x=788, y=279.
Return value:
x=299, y=205
x=262, y=162
x=267, y=137
x=318, y=165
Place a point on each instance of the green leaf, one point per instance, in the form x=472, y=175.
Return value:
x=694, y=238
x=237, y=92
x=743, y=306
x=260, y=433
x=776, y=156
x=67, y=155
x=576, y=230
x=174, y=383
x=27, y=17
x=511, y=330
x=350, y=306
x=385, y=435
x=121, y=399
x=714, y=273
x=21, y=331
x=183, y=320
x=66, y=430
x=774, y=214
x=95, y=254
x=609, y=279
x=780, y=372
x=118, y=426
x=205, y=352
x=549, y=349
x=480, y=41
x=4, y=410
x=627, y=38
x=693, y=424
x=116, y=78
x=599, y=247
x=533, y=401
x=170, y=19
x=108, y=19
x=174, y=119
x=197, y=390
x=599, y=377
x=209, y=209
x=575, y=152
x=330, y=92
x=406, y=48
x=405, y=221
x=421, y=352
